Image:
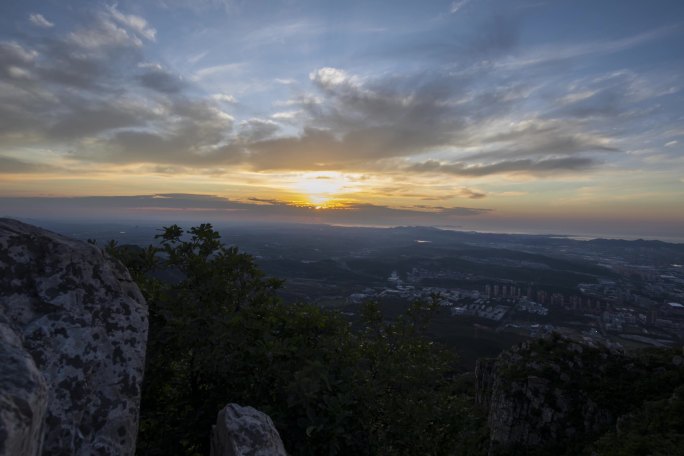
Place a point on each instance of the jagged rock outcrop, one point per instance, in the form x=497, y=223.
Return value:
x=544, y=392
x=83, y=322
x=245, y=431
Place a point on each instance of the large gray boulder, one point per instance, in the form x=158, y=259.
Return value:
x=245, y=431
x=23, y=397
x=83, y=321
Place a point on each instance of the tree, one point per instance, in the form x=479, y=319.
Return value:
x=219, y=334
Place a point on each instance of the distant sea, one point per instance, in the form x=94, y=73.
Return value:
x=576, y=237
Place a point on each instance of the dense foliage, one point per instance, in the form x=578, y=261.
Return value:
x=657, y=428
x=219, y=334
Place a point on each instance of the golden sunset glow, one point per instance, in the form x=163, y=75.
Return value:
x=323, y=189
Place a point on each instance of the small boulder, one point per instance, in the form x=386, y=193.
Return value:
x=245, y=431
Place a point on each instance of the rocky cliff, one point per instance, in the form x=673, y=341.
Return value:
x=74, y=330
x=554, y=394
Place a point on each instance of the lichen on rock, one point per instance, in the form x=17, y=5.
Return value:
x=83, y=321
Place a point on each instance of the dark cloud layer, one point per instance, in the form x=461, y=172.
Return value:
x=12, y=165
x=156, y=78
x=210, y=207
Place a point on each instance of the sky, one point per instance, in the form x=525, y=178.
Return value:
x=559, y=116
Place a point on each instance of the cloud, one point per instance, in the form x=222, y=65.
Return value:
x=565, y=51
x=132, y=22
x=281, y=33
x=332, y=79
x=218, y=70
x=471, y=194
x=364, y=123
x=460, y=193
x=16, y=62
x=192, y=133
x=39, y=21
x=540, y=139
x=255, y=129
x=611, y=95
x=415, y=213
x=314, y=149
x=225, y=98
x=110, y=28
x=457, y=6
x=126, y=110
x=513, y=193
x=178, y=206
x=9, y=165
x=270, y=201
x=65, y=65
x=550, y=166
x=442, y=121
x=13, y=53
x=322, y=149
x=193, y=59
x=348, y=121
x=105, y=34
x=88, y=118
x=202, y=6
x=384, y=117
x=157, y=78
x=457, y=211
x=485, y=42
x=287, y=116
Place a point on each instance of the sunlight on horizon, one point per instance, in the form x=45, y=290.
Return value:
x=322, y=189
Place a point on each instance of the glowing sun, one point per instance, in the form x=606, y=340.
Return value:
x=321, y=189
